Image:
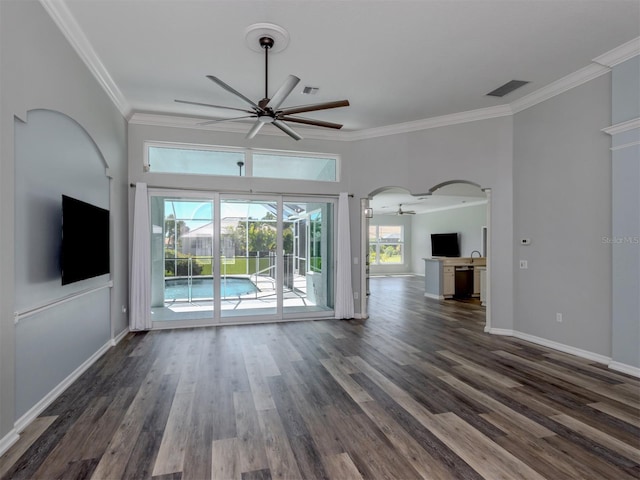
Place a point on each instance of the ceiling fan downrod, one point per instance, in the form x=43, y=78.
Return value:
x=266, y=43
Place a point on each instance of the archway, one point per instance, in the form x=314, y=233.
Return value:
x=402, y=222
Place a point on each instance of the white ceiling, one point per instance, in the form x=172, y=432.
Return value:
x=455, y=195
x=396, y=61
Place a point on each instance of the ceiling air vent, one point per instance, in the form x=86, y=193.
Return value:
x=507, y=88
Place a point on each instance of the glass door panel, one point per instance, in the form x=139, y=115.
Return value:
x=248, y=258
x=182, y=233
x=307, y=231
x=224, y=258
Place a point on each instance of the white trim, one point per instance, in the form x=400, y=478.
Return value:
x=500, y=331
x=177, y=121
x=619, y=54
x=8, y=440
x=562, y=85
x=626, y=145
x=50, y=397
x=17, y=316
x=434, y=296
x=578, y=352
x=622, y=127
x=624, y=368
x=67, y=24
x=157, y=120
x=118, y=338
x=433, y=122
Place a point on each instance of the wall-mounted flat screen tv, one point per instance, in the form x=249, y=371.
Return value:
x=85, y=240
x=445, y=245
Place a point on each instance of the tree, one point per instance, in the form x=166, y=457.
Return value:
x=171, y=226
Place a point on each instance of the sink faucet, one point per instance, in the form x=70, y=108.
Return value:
x=476, y=251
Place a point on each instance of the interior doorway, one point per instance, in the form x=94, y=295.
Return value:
x=398, y=239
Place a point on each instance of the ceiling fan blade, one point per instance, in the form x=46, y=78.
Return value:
x=214, y=106
x=287, y=129
x=232, y=90
x=309, y=121
x=283, y=92
x=314, y=107
x=225, y=120
x=254, y=130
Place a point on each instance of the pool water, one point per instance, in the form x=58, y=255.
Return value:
x=202, y=288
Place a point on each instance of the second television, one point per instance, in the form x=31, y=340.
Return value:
x=445, y=245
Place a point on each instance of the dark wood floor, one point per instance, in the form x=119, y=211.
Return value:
x=416, y=391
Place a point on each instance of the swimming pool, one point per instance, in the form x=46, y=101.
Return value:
x=202, y=288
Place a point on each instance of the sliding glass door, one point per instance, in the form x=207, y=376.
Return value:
x=182, y=258
x=226, y=258
x=249, y=246
x=308, y=256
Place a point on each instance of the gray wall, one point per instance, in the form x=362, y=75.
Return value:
x=562, y=202
x=479, y=152
x=625, y=233
x=53, y=156
x=467, y=221
x=39, y=70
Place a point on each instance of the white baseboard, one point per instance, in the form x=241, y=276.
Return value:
x=116, y=340
x=561, y=347
x=624, y=368
x=578, y=352
x=434, y=296
x=500, y=331
x=48, y=399
x=8, y=440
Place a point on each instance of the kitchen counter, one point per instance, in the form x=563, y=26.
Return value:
x=440, y=275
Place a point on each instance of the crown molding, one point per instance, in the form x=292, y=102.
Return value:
x=562, y=85
x=622, y=127
x=176, y=121
x=619, y=54
x=433, y=122
x=67, y=24
x=160, y=120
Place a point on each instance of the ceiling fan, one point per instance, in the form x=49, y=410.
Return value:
x=404, y=212
x=268, y=109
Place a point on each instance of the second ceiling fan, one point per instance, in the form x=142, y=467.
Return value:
x=268, y=109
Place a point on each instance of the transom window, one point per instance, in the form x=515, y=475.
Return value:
x=188, y=159
x=386, y=244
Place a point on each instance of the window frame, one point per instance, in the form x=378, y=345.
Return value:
x=248, y=158
x=378, y=244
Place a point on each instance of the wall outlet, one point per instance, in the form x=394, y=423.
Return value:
x=355, y=295
x=524, y=264
x=558, y=317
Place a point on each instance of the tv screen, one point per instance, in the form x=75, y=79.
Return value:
x=445, y=245
x=85, y=240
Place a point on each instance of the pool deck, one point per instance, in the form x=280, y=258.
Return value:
x=259, y=303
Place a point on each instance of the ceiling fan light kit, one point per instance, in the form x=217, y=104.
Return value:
x=267, y=38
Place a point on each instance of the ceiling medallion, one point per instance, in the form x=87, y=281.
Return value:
x=253, y=34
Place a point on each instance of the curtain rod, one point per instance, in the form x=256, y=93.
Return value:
x=250, y=192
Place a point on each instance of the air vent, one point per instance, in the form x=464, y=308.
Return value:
x=310, y=90
x=507, y=88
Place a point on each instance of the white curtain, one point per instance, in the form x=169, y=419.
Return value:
x=140, y=294
x=344, y=292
